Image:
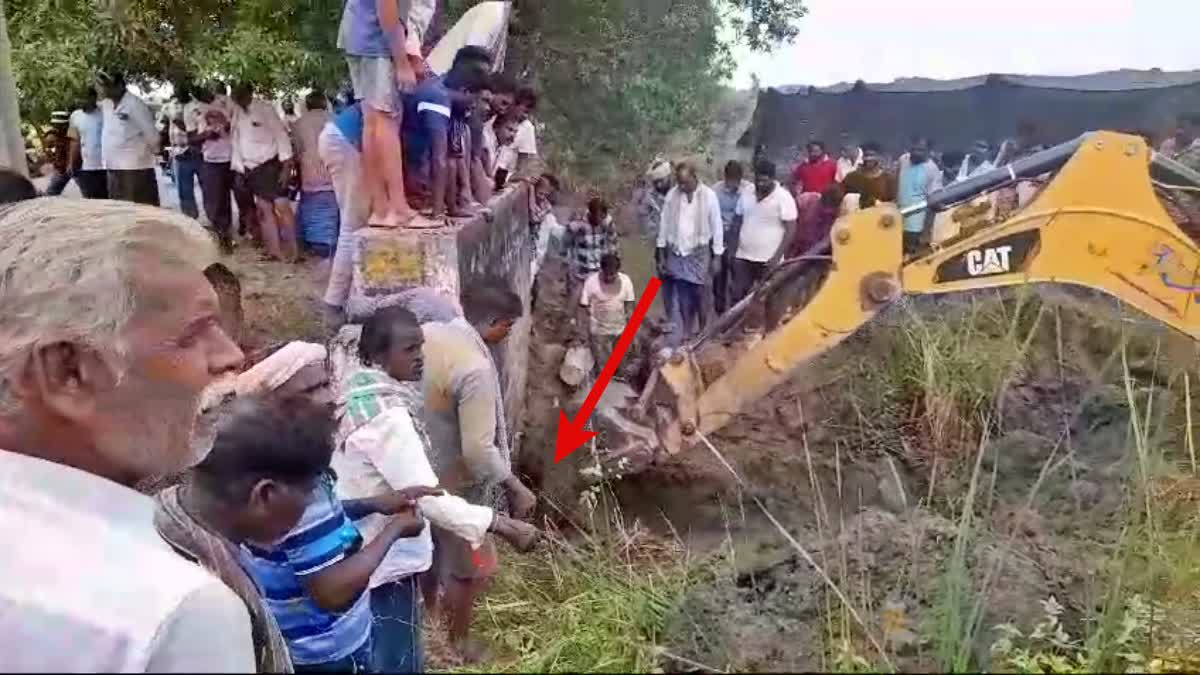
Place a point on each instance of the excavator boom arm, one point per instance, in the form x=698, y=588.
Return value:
x=1097, y=223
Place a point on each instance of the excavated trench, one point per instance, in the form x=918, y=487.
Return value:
x=866, y=497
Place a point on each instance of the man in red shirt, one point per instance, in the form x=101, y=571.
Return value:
x=816, y=174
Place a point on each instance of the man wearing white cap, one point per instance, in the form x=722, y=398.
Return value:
x=650, y=206
x=296, y=369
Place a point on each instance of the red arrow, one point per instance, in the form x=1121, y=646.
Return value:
x=571, y=433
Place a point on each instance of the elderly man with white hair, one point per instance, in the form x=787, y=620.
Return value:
x=109, y=334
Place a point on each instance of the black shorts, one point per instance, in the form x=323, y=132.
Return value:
x=136, y=185
x=92, y=184
x=263, y=180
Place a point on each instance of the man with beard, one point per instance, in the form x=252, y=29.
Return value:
x=768, y=226
x=871, y=182
x=918, y=177
x=110, y=333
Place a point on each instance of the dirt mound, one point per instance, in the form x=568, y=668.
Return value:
x=779, y=614
x=867, y=456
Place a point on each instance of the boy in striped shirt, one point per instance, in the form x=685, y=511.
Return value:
x=315, y=580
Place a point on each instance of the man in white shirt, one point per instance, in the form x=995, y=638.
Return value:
x=110, y=334
x=383, y=446
x=516, y=159
x=262, y=152
x=207, y=119
x=129, y=143
x=851, y=158
x=86, y=160
x=521, y=160
x=977, y=162
x=690, y=231
x=768, y=225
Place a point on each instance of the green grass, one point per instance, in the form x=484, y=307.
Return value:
x=597, y=602
x=932, y=387
x=938, y=393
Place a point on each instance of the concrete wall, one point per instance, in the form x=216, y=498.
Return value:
x=450, y=260
x=501, y=248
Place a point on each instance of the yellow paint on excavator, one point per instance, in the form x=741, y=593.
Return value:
x=1098, y=223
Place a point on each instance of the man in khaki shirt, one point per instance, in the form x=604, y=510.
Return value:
x=469, y=452
x=110, y=333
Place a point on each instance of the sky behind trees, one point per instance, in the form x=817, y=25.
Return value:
x=881, y=40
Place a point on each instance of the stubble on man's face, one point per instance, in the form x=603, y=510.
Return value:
x=176, y=348
x=764, y=185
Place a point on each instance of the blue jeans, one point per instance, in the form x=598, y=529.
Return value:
x=396, y=628
x=187, y=171
x=357, y=662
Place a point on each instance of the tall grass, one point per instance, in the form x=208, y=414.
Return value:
x=943, y=383
x=931, y=391
x=596, y=601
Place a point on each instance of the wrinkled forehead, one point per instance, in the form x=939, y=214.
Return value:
x=168, y=293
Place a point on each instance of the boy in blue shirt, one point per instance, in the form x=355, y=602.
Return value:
x=427, y=126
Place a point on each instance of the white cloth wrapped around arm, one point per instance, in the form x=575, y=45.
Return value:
x=392, y=444
x=458, y=516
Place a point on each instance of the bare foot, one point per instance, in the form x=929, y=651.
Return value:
x=468, y=210
x=393, y=219
x=522, y=535
x=426, y=221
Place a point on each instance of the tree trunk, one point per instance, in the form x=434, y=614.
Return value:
x=12, y=145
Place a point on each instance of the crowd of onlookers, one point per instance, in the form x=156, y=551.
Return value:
x=332, y=509
x=326, y=512
x=313, y=514
x=416, y=137
x=727, y=237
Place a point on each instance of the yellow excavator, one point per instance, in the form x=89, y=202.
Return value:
x=1097, y=222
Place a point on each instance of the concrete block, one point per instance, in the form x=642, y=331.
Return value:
x=495, y=244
